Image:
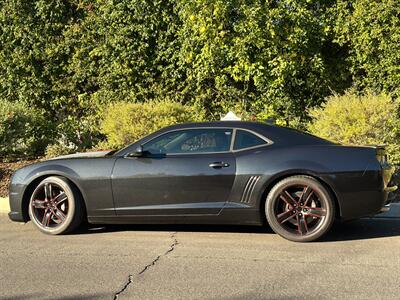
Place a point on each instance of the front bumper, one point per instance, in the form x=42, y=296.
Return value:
x=16, y=216
x=16, y=203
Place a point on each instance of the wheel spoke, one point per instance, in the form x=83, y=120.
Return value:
x=39, y=204
x=288, y=199
x=46, y=218
x=285, y=216
x=308, y=198
x=48, y=191
x=306, y=195
x=60, y=198
x=302, y=225
x=59, y=214
x=317, y=212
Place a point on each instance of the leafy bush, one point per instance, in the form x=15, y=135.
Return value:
x=126, y=122
x=359, y=120
x=24, y=131
x=59, y=149
x=78, y=134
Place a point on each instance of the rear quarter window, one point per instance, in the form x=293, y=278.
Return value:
x=245, y=139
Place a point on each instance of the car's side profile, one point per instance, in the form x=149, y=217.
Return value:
x=208, y=173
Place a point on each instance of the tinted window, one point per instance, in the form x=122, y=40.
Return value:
x=245, y=139
x=191, y=141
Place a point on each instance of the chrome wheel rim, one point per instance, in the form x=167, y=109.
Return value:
x=49, y=204
x=300, y=210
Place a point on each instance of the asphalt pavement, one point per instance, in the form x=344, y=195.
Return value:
x=357, y=260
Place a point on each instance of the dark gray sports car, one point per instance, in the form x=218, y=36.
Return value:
x=208, y=173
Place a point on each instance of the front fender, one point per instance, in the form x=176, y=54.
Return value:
x=91, y=176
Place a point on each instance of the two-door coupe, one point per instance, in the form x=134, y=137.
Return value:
x=228, y=172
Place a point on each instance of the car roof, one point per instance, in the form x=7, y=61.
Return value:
x=281, y=136
x=238, y=124
x=275, y=133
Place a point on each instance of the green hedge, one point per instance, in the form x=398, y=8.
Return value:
x=354, y=119
x=61, y=54
x=24, y=132
x=126, y=122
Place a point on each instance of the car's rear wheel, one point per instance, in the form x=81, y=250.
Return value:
x=55, y=206
x=300, y=208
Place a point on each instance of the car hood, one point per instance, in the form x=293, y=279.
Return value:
x=84, y=154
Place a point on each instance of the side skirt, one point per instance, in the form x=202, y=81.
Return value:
x=226, y=217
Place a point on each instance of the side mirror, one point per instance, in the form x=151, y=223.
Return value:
x=139, y=152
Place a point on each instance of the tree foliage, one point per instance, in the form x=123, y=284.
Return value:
x=258, y=53
x=72, y=58
x=61, y=54
x=370, y=30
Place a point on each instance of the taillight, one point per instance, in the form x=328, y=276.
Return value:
x=387, y=169
x=381, y=156
x=383, y=160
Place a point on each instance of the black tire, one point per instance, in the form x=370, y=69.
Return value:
x=300, y=209
x=55, y=206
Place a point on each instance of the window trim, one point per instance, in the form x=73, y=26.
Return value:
x=268, y=142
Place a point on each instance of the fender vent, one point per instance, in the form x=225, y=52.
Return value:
x=249, y=188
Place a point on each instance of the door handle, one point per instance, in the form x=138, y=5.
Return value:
x=219, y=164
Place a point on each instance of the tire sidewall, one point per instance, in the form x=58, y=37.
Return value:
x=71, y=206
x=324, y=196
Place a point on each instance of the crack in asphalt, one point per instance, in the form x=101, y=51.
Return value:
x=130, y=276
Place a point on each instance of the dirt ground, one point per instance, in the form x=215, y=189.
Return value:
x=6, y=170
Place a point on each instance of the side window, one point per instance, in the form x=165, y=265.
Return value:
x=191, y=141
x=157, y=146
x=245, y=139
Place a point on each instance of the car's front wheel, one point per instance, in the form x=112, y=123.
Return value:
x=55, y=206
x=299, y=208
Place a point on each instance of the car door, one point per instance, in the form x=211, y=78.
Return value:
x=181, y=172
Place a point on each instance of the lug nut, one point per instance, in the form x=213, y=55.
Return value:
x=300, y=215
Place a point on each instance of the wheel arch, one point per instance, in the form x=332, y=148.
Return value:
x=269, y=184
x=35, y=182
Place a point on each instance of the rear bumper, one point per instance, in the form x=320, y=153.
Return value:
x=361, y=194
x=361, y=204
x=386, y=206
